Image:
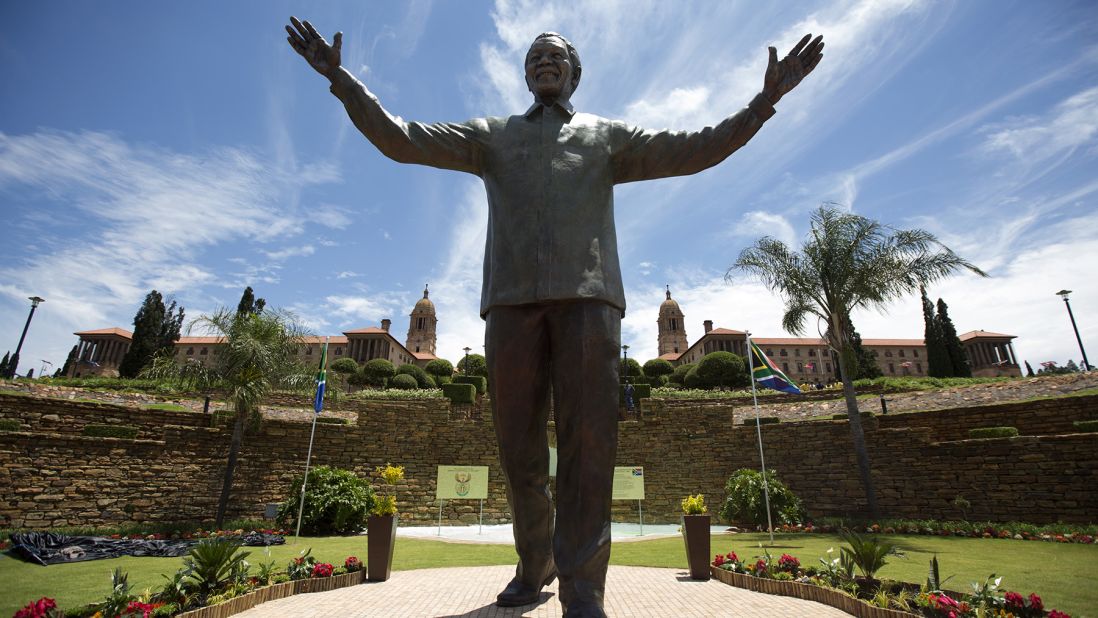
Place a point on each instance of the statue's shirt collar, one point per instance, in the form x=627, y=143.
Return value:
x=564, y=107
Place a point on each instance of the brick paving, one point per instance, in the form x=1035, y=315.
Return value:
x=469, y=592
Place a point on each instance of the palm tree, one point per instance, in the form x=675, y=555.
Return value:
x=848, y=262
x=257, y=354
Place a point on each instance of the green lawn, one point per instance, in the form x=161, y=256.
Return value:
x=1062, y=574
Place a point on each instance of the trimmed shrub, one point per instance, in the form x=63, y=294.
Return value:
x=993, y=432
x=658, y=368
x=478, y=366
x=377, y=371
x=720, y=369
x=678, y=376
x=1086, y=426
x=422, y=379
x=9, y=424
x=345, y=366
x=630, y=367
x=460, y=393
x=747, y=504
x=763, y=420
x=403, y=382
x=336, y=502
x=440, y=368
x=332, y=420
x=126, y=432
x=480, y=382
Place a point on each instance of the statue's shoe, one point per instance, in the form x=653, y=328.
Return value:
x=520, y=593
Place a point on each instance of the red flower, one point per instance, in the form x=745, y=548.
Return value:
x=37, y=609
x=352, y=564
x=1014, y=599
x=788, y=563
x=733, y=557
x=146, y=609
x=322, y=569
x=718, y=560
x=1057, y=614
x=760, y=566
x=1035, y=601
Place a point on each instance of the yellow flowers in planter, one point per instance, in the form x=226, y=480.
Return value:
x=390, y=475
x=694, y=505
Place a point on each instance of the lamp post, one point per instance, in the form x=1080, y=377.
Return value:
x=1064, y=294
x=14, y=362
x=625, y=361
x=467, y=360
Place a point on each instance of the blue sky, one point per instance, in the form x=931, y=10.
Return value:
x=185, y=147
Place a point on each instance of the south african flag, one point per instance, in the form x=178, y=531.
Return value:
x=321, y=378
x=767, y=374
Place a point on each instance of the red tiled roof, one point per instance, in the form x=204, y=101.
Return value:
x=725, y=331
x=670, y=356
x=894, y=342
x=813, y=341
x=369, y=330
x=424, y=356
x=107, y=331
x=199, y=340
x=334, y=340
x=309, y=340
x=973, y=334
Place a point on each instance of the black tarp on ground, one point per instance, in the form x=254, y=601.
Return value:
x=50, y=548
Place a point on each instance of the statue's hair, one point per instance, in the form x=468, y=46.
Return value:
x=573, y=55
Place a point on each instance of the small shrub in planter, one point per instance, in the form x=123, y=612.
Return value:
x=993, y=432
x=1082, y=426
x=422, y=379
x=110, y=431
x=746, y=502
x=460, y=393
x=480, y=382
x=762, y=420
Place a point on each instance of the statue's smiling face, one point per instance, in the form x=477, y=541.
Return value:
x=549, y=69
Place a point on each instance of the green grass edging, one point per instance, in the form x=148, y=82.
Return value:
x=126, y=432
x=9, y=424
x=1087, y=426
x=762, y=420
x=993, y=432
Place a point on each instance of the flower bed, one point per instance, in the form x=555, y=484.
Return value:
x=869, y=598
x=1052, y=533
x=274, y=592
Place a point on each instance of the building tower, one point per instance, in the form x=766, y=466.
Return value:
x=422, y=326
x=672, y=332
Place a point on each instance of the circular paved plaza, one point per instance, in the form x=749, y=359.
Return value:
x=469, y=592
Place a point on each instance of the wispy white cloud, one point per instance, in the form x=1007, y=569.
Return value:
x=289, y=252
x=760, y=223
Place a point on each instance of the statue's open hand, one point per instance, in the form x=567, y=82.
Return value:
x=781, y=77
x=306, y=41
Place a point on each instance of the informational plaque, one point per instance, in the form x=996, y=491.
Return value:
x=628, y=483
x=462, y=483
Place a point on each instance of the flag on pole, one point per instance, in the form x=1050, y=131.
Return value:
x=321, y=378
x=767, y=374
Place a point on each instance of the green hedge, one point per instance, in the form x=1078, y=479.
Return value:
x=9, y=424
x=640, y=391
x=763, y=420
x=459, y=392
x=993, y=432
x=127, y=432
x=842, y=416
x=480, y=382
x=332, y=420
x=1087, y=426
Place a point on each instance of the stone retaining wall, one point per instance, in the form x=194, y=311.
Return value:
x=51, y=476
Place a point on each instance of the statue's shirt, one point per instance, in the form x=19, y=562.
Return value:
x=550, y=176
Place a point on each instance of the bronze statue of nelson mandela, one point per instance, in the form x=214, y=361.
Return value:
x=552, y=296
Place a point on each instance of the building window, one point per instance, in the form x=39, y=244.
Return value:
x=800, y=368
x=309, y=351
x=339, y=351
x=203, y=351
x=888, y=353
x=673, y=324
x=915, y=353
x=919, y=367
x=785, y=367
x=782, y=352
x=417, y=348
x=891, y=368
x=827, y=366
x=797, y=352
x=901, y=353
x=812, y=352
x=769, y=352
x=190, y=351
x=676, y=349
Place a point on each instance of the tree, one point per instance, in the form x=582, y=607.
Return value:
x=938, y=364
x=478, y=366
x=155, y=331
x=631, y=369
x=345, y=366
x=656, y=370
x=259, y=354
x=952, y=343
x=718, y=370
x=1029, y=370
x=441, y=370
x=377, y=371
x=70, y=360
x=847, y=262
x=249, y=303
x=867, y=367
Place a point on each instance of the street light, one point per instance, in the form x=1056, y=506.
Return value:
x=1064, y=294
x=14, y=362
x=625, y=361
x=467, y=359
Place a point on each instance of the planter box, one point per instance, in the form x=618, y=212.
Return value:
x=808, y=592
x=696, y=535
x=271, y=593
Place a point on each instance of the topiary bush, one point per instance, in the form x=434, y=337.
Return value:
x=403, y=382
x=345, y=366
x=422, y=379
x=720, y=369
x=440, y=368
x=747, y=504
x=460, y=393
x=377, y=371
x=479, y=382
x=126, y=432
x=678, y=376
x=656, y=369
x=478, y=366
x=336, y=502
x=993, y=432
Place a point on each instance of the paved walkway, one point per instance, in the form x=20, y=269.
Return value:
x=469, y=592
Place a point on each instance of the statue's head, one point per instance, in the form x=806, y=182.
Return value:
x=552, y=67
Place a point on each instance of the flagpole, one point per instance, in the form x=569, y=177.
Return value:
x=758, y=432
x=308, y=458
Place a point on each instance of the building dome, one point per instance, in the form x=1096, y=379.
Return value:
x=424, y=304
x=670, y=304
